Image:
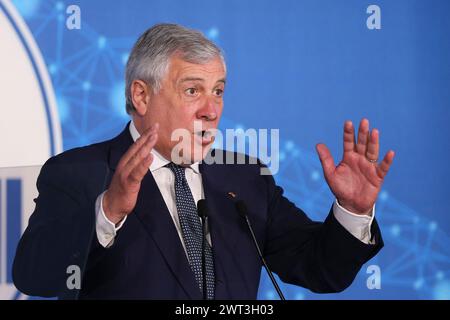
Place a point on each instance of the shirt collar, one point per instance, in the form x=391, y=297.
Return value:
x=158, y=160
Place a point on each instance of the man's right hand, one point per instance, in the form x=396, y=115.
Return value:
x=120, y=198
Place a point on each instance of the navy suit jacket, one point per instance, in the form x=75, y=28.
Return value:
x=147, y=260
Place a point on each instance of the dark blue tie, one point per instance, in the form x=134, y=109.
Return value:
x=192, y=231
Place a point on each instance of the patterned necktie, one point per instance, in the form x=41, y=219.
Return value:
x=192, y=231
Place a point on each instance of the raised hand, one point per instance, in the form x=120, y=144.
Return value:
x=357, y=179
x=120, y=198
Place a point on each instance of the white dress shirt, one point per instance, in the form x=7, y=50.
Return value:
x=357, y=225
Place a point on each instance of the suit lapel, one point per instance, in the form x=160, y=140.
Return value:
x=223, y=222
x=152, y=212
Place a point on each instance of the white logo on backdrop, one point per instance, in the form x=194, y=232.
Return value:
x=29, y=129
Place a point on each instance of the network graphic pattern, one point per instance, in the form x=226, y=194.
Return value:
x=87, y=70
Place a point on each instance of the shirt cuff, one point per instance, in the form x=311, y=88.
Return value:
x=105, y=229
x=357, y=225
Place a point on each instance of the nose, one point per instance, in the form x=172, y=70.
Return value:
x=208, y=111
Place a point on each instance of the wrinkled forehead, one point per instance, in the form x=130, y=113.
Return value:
x=211, y=71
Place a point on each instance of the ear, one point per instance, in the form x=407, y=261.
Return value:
x=140, y=95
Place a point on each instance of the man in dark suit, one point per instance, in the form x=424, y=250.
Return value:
x=123, y=212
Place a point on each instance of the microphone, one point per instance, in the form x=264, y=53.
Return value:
x=242, y=209
x=202, y=211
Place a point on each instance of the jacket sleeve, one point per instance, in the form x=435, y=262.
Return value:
x=321, y=256
x=59, y=232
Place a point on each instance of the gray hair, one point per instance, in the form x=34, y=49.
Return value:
x=149, y=58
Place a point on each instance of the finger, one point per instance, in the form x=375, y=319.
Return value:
x=131, y=152
x=373, y=146
x=326, y=159
x=141, y=155
x=139, y=172
x=349, y=137
x=135, y=147
x=383, y=167
x=363, y=134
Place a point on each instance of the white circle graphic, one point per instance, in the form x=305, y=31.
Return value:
x=30, y=132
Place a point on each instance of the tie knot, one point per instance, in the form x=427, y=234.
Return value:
x=178, y=171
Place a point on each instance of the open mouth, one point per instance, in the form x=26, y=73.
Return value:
x=203, y=133
x=206, y=136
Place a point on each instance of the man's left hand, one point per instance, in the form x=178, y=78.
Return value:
x=357, y=179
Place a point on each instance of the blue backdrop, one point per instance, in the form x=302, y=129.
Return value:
x=303, y=67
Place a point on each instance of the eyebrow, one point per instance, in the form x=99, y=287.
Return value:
x=223, y=80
